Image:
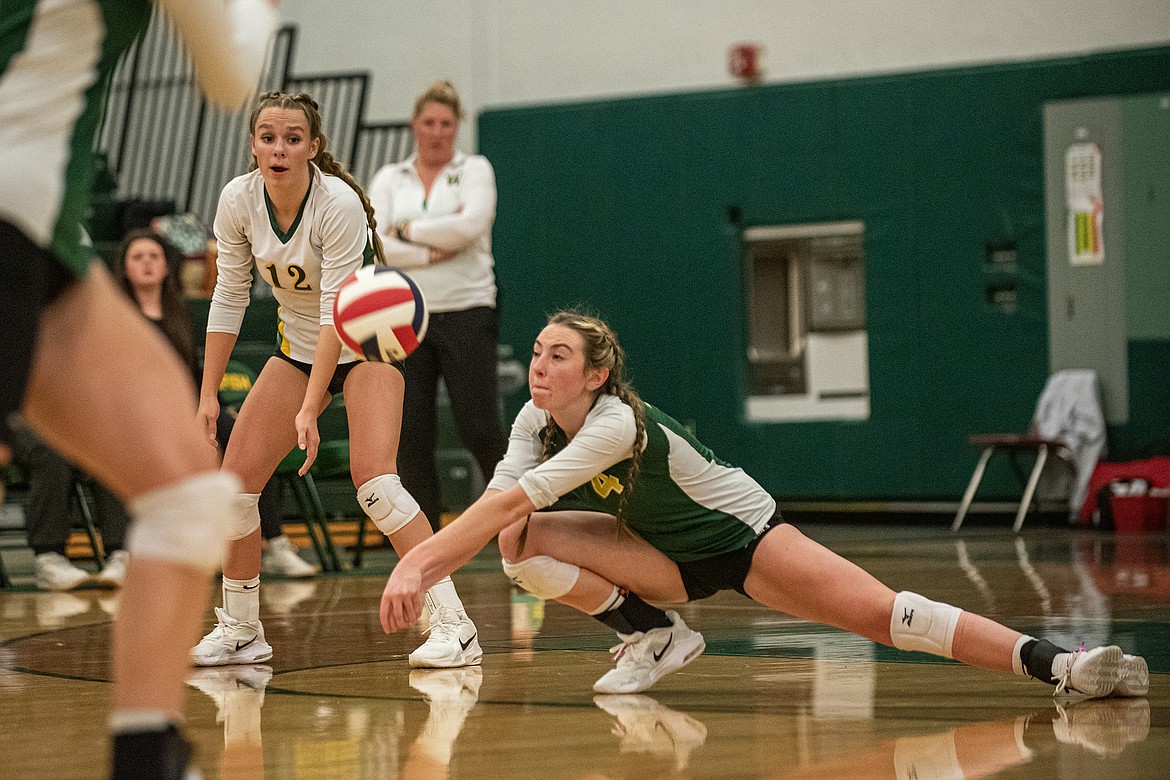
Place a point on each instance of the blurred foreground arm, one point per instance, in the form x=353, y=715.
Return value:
x=227, y=42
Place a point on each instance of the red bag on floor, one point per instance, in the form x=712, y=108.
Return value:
x=1156, y=471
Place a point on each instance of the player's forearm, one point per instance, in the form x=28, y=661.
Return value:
x=216, y=353
x=458, y=542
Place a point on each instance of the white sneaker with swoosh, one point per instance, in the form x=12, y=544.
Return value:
x=643, y=658
x=453, y=641
x=232, y=642
x=1104, y=671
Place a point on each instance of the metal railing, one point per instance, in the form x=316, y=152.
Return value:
x=378, y=145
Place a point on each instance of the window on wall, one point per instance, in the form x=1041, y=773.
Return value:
x=776, y=332
x=807, y=341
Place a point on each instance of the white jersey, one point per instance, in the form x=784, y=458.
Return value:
x=305, y=266
x=50, y=56
x=686, y=502
x=53, y=53
x=457, y=214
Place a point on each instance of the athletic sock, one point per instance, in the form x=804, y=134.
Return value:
x=139, y=721
x=241, y=598
x=627, y=613
x=1038, y=658
x=155, y=753
x=443, y=592
x=1017, y=662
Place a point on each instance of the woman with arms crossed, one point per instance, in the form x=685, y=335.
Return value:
x=305, y=225
x=435, y=212
x=673, y=523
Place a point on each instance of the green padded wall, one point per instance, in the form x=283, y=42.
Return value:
x=635, y=207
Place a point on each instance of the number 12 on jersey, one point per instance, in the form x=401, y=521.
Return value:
x=295, y=273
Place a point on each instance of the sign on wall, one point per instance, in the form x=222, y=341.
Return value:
x=1086, y=207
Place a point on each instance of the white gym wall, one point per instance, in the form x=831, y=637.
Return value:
x=516, y=52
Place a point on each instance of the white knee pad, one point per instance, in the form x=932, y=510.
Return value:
x=543, y=576
x=387, y=503
x=918, y=623
x=245, y=516
x=184, y=523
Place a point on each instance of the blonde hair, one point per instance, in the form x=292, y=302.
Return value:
x=324, y=159
x=602, y=350
x=441, y=92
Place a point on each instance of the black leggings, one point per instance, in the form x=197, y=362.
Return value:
x=30, y=279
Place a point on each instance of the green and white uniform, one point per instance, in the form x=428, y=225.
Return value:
x=305, y=266
x=685, y=502
x=55, y=57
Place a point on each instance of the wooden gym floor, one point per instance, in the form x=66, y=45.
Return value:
x=771, y=698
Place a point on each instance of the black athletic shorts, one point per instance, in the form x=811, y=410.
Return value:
x=725, y=571
x=31, y=278
x=337, y=383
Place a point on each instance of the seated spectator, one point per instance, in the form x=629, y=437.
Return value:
x=49, y=517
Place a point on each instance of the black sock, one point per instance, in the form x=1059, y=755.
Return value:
x=1037, y=656
x=155, y=754
x=632, y=615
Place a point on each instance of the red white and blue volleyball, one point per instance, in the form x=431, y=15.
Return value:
x=380, y=313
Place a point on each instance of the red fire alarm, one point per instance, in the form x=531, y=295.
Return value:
x=743, y=62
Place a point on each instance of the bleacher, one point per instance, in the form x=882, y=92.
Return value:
x=162, y=142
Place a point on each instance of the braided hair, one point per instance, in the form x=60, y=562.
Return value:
x=602, y=350
x=324, y=159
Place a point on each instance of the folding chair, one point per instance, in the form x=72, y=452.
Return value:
x=1068, y=423
x=81, y=494
x=15, y=481
x=5, y=582
x=311, y=507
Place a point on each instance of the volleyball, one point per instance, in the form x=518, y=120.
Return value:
x=380, y=313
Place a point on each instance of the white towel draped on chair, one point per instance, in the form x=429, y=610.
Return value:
x=1069, y=410
x=1069, y=424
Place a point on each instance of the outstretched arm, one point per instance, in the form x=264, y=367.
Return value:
x=446, y=551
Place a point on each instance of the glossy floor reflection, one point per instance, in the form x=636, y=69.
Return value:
x=771, y=698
